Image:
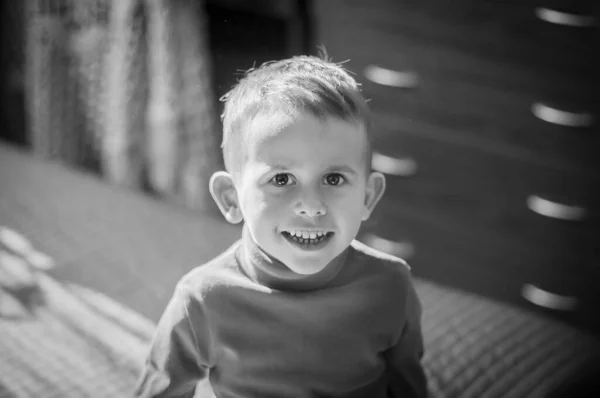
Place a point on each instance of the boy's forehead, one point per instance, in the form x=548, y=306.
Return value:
x=268, y=128
x=284, y=142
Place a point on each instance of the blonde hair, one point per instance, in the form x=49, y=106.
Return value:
x=308, y=84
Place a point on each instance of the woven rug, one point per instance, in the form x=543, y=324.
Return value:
x=479, y=348
x=78, y=343
x=73, y=342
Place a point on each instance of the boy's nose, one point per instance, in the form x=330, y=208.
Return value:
x=310, y=206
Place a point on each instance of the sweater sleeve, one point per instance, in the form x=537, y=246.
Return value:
x=406, y=375
x=178, y=356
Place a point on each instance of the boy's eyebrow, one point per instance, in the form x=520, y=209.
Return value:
x=282, y=165
x=278, y=165
x=344, y=168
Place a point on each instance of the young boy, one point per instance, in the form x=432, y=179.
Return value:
x=297, y=307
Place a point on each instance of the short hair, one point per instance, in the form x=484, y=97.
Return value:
x=310, y=84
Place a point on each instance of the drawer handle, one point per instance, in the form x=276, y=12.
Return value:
x=546, y=299
x=404, y=167
x=563, y=118
x=552, y=209
x=403, y=250
x=392, y=78
x=564, y=18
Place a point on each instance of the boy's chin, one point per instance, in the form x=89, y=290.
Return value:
x=305, y=269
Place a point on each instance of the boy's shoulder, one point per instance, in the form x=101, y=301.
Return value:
x=378, y=263
x=221, y=271
x=387, y=279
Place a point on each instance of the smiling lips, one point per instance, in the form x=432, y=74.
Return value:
x=307, y=237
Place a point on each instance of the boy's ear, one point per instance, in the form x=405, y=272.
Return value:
x=223, y=191
x=375, y=190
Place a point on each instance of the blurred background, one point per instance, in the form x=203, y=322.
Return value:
x=485, y=121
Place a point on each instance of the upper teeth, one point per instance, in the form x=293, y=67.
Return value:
x=307, y=234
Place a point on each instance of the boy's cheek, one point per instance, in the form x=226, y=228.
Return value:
x=261, y=205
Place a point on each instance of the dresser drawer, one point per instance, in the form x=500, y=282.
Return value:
x=553, y=117
x=363, y=47
x=534, y=280
x=530, y=204
x=564, y=131
x=497, y=30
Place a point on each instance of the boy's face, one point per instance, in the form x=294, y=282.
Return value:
x=304, y=189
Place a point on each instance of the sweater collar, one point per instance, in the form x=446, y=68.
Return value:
x=272, y=273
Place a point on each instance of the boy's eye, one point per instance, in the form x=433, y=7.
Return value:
x=334, y=179
x=281, y=180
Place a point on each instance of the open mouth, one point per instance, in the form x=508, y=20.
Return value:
x=308, y=239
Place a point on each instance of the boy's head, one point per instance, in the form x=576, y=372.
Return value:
x=302, y=84
x=297, y=153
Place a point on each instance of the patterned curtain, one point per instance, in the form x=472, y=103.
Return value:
x=124, y=87
x=11, y=70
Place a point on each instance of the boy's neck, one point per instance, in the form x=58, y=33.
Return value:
x=270, y=272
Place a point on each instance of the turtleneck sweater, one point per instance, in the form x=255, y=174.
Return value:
x=245, y=325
